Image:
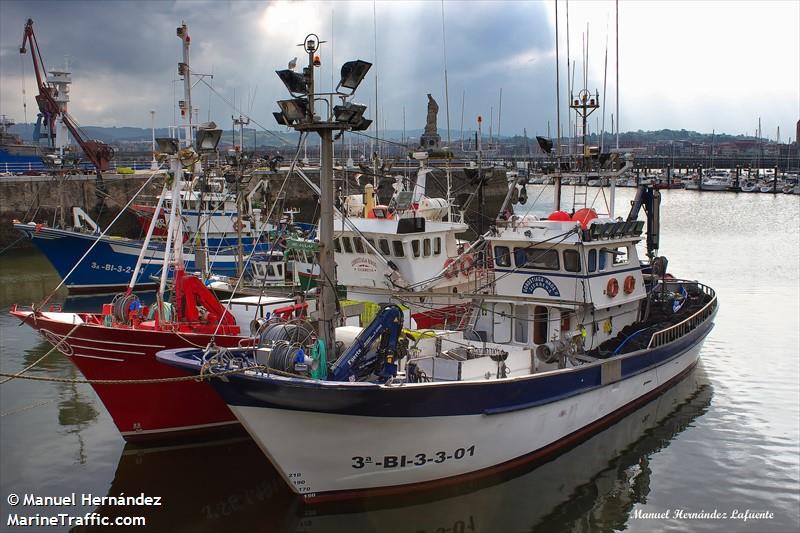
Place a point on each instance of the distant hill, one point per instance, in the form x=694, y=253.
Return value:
x=129, y=134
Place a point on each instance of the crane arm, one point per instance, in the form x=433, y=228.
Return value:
x=359, y=360
x=98, y=152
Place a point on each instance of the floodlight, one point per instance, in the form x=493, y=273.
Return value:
x=207, y=139
x=294, y=81
x=294, y=109
x=280, y=119
x=361, y=126
x=350, y=113
x=352, y=74
x=167, y=145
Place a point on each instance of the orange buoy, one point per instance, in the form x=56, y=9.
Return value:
x=629, y=285
x=612, y=289
x=584, y=216
x=559, y=216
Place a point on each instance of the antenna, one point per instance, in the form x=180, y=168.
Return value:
x=605, y=76
x=446, y=91
x=499, y=114
x=463, y=95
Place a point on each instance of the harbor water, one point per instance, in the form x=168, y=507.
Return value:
x=720, y=451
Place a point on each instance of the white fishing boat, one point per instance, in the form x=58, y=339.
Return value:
x=576, y=330
x=567, y=331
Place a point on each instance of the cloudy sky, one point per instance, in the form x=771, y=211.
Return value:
x=704, y=66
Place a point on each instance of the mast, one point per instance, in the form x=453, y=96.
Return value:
x=616, y=3
x=570, y=81
x=185, y=72
x=557, y=188
x=299, y=114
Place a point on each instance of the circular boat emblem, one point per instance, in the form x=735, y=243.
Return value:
x=54, y=339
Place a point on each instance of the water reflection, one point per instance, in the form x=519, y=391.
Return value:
x=593, y=487
x=76, y=403
x=222, y=486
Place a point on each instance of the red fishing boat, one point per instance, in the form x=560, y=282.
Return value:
x=120, y=343
x=106, y=348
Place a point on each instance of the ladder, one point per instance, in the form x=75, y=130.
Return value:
x=467, y=317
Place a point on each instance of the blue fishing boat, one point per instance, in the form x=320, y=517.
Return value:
x=110, y=263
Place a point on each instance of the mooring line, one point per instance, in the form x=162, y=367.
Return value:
x=139, y=381
x=9, y=377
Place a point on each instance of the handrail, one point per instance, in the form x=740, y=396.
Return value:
x=683, y=327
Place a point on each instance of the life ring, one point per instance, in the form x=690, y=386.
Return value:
x=449, y=270
x=629, y=285
x=612, y=289
x=467, y=263
x=237, y=224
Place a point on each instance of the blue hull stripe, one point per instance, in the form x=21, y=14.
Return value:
x=442, y=399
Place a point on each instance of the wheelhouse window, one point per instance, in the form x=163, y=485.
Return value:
x=337, y=246
x=348, y=247
x=620, y=256
x=397, y=247
x=572, y=261
x=592, y=260
x=358, y=244
x=437, y=245
x=502, y=256
x=371, y=242
x=415, y=247
x=384, y=246
x=540, y=258
x=426, y=247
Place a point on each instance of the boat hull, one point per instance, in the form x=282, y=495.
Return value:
x=381, y=438
x=173, y=411
x=110, y=264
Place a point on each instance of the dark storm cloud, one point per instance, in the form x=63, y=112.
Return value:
x=124, y=53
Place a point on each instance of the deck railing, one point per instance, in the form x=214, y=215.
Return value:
x=672, y=333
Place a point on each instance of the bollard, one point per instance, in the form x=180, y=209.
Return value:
x=775, y=181
x=700, y=177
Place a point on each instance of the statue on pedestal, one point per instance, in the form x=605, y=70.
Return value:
x=430, y=138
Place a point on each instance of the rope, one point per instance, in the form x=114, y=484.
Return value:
x=4, y=250
x=269, y=215
x=9, y=377
x=139, y=381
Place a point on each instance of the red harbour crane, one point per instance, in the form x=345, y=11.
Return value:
x=52, y=101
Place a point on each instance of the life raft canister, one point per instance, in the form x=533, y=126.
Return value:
x=466, y=264
x=629, y=285
x=612, y=289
